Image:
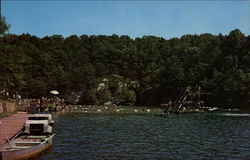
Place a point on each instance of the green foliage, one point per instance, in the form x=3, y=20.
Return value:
x=123, y=94
x=148, y=70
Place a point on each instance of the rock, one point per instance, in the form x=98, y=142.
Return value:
x=108, y=104
x=164, y=105
x=72, y=97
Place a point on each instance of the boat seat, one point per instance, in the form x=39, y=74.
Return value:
x=19, y=147
x=27, y=143
x=35, y=137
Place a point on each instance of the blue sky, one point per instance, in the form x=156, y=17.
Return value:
x=134, y=18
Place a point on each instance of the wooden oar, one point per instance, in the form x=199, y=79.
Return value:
x=8, y=140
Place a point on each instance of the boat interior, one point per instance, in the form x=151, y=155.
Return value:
x=26, y=141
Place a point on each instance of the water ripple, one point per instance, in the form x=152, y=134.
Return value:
x=197, y=137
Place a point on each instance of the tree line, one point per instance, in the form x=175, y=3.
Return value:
x=146, y=71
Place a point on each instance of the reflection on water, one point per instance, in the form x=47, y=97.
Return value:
x=131, y=136
x=234, y=114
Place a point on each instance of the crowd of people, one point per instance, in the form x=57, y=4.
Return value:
x=35, y=105
x=43, y=104
x=10, y=95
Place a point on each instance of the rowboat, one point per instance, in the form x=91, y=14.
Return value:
x=25, y=147
x=36, y=138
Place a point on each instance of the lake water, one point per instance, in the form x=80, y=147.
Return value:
x=81, y=136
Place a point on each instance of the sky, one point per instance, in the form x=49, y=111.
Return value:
x=165, y=19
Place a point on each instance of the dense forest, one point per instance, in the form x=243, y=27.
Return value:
x=143, y=71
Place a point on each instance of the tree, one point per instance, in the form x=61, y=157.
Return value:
x=4, y=26
x=161, y=68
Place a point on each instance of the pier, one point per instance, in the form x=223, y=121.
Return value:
x=10, y=126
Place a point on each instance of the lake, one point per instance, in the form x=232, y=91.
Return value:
x=150, y=136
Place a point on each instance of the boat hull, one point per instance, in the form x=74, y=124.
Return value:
x=28, y=152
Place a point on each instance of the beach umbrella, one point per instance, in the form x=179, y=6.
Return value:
x=54, y=92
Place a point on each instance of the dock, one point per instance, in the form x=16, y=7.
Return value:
x=10, y=126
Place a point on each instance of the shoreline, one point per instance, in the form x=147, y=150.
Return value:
x=112, y=109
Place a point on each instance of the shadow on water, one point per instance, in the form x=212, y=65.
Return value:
x=149, y=136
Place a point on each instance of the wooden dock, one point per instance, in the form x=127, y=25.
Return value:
x=11, y=125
